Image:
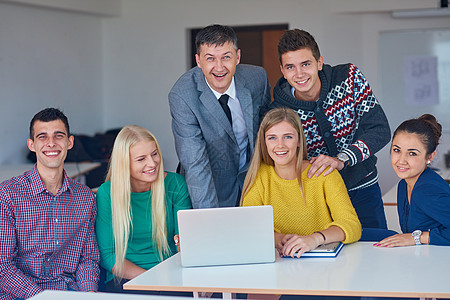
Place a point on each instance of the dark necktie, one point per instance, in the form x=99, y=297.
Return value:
x=223, y=100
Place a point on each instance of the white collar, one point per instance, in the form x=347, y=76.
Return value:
x=231, y=91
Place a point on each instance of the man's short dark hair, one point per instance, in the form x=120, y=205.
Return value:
x=216, y=35
x=48, y=115
x=296, y=39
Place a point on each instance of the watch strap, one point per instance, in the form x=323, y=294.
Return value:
x=416, y=235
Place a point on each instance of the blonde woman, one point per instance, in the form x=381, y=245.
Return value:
x=308, y=212
x=137, y=208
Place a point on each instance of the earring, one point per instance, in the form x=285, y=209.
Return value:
x=428, y=162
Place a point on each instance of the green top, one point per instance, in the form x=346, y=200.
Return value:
x=140, y=249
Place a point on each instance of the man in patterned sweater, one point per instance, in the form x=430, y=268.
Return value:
x=343, y=122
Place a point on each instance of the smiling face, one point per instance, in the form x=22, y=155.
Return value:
x=282, y=144
x=50, y=143
x=144, y=165
x=301, y=70
x=409, y=156
x=218, y=64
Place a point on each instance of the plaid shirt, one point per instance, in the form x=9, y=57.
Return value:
x=46, y=241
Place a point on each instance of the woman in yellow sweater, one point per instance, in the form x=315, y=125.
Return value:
x=308, y=212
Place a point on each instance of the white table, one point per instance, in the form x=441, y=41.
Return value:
x=72, y=169
x=359, y=270
x=66, y=295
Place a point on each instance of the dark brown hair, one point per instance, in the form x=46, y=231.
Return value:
x=296, y=39
x=215, y=35
x=426, y=127
x=48, y=115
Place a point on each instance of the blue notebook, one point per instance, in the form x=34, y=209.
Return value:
x=325, y=250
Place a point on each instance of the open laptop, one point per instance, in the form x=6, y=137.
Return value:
x=226, y=236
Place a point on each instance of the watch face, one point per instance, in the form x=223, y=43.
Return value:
x=416, y=233
x=343, y=157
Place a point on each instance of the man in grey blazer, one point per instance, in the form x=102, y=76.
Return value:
x=215, y=117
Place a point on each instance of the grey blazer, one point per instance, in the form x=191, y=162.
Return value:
x=204, y=139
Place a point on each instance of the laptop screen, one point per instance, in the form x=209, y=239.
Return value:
x=225, y=236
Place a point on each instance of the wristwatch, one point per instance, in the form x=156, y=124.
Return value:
x=416, y=235
x=344, y=158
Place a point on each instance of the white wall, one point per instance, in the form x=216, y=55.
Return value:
x=145, y=50
x=47, y=58
x=130, y=62
x=93, y=7
x=373, y=25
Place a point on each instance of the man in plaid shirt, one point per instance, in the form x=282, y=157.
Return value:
x=47, y=236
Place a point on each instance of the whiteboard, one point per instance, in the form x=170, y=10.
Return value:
x=396, y=49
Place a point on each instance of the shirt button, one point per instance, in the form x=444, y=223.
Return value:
x=327, y=134
x=57, y=242
x=317, y=109
x=56, y=220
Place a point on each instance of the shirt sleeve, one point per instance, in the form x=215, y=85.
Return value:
x=373, y=131
x=104, y=229
x=254, y=196
x=437, y=208
x=191, y=150
x=341, y=208
x=12, y=280
x=88, y=271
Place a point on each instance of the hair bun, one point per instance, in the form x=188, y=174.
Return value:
x=433, y=123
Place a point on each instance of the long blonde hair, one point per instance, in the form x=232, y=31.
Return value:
x=119, y=175
x=261, y=154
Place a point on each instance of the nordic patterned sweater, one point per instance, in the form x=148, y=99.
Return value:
x=346, y=118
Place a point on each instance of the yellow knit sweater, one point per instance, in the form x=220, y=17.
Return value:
x=327, y=203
